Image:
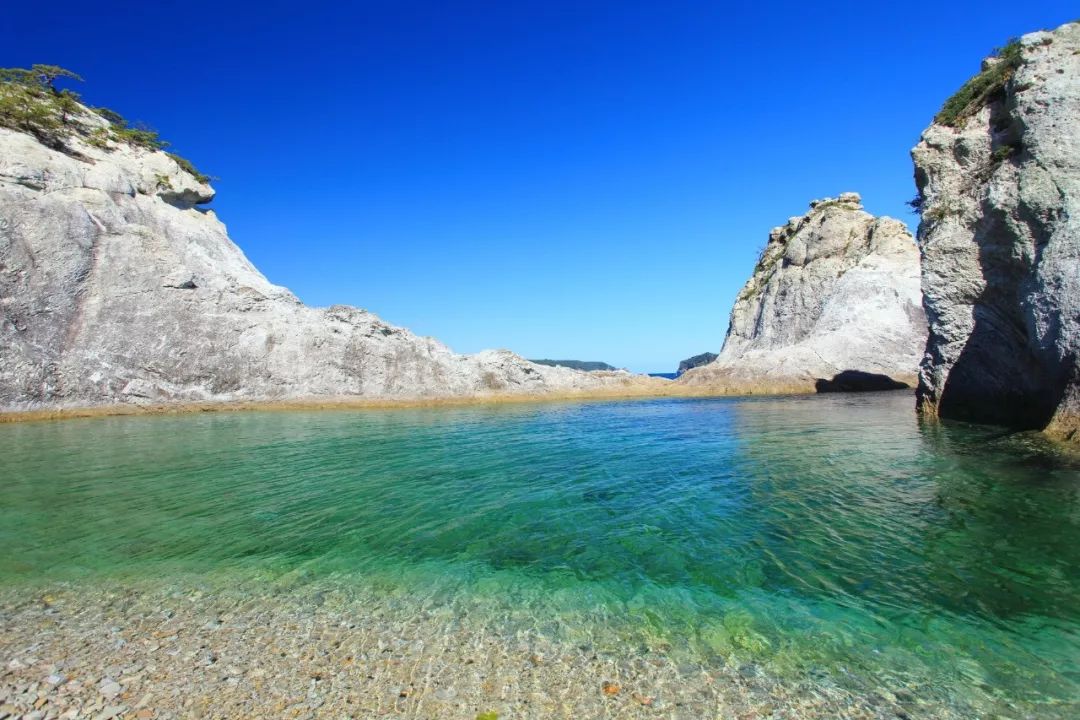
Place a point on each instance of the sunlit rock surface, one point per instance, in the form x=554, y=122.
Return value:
x=118, y=286
x=834, y=291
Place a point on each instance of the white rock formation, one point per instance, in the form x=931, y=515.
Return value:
x=1000, y=240
x=834, y=291
x=116, y=287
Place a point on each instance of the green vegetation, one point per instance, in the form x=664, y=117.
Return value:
x=941, y=210
x=935, y=214
x=139, y=136
x=111, y=115
x=31, y=103
x=99, y=138
x=1002, y=154
x=768, y=261
x=916, y=203
x=985, y=87
x=187, y=167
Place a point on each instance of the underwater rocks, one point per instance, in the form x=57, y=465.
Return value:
x=196, y=651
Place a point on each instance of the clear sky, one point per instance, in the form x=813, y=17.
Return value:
x=568, y=179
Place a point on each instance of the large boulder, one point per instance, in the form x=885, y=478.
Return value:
x=998, y=175
x=834, y=291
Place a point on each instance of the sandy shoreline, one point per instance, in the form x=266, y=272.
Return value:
x=361, y=403
x=193, y=651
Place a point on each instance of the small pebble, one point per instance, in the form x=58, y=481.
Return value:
x=279, y=660
x=109, y=688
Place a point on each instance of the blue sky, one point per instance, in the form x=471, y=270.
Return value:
x=587, y=180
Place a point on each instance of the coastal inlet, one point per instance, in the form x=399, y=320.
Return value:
x=809, y=556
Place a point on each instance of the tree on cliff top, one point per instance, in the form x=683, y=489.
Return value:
x=31, y=103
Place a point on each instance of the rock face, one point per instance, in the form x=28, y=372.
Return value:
x=696, y=361
x=835, y=290
x=1000, y=241
x=116, y=287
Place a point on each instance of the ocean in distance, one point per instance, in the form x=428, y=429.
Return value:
x=828, y=556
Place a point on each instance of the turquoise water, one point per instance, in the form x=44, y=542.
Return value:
x=831, y=535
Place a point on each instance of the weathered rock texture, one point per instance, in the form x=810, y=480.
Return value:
x=116, y=287
x=834, y=290
x=1000, y=242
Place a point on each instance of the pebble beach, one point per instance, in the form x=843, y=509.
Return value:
x=125, y=651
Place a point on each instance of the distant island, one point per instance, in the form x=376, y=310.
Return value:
x=696, y=361
x=586, y=365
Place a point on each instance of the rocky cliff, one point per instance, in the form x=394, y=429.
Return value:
x=118, y=286
x=998, y=175
x=834, y=291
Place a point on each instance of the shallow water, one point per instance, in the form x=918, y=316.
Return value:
x=830, y=537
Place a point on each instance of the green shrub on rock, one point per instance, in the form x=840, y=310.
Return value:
x=989, y=84
x=31, y=103
x=187, y=167
x=140, y=137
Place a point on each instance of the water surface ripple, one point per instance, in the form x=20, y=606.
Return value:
x=829, y=534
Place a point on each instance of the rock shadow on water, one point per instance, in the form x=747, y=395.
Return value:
x=858, y=381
